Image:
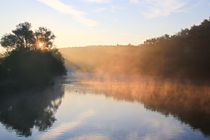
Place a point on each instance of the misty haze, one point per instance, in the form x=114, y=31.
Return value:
x=105, y=70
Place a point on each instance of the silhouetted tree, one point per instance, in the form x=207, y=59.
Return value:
x=31, y=60
x=24, y=37
x=44, y=36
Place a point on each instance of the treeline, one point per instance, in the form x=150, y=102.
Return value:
x=184, y=55
x=30, y=60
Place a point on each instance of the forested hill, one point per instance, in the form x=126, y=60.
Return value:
x=185, y=55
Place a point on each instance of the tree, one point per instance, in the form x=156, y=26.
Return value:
x=45, y=37
x=31, y=60
x=24, y=37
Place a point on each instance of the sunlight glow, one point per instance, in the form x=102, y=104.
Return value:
x=40, y=44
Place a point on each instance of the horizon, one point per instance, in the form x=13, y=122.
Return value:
x=104, y=22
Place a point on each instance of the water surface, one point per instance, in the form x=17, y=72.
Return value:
x=108, y=109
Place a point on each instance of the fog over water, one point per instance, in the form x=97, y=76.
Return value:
x=99, y=107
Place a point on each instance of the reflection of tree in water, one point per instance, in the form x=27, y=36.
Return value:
x=22, y=112
x=188, y=103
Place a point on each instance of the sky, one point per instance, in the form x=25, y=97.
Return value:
x=104, y=22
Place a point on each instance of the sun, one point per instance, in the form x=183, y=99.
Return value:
x=40, y=44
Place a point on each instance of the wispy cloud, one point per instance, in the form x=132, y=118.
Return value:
x=157, y=8
x=91, y=137
x=61, y=129
x=97, y=1
x=100, y=9
x=67, y=9
x=110, y=8
x=134, y=1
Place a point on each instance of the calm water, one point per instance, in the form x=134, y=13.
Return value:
x=95, y=110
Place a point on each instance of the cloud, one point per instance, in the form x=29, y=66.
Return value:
x=91, y=137
x=97, y=1
x=134, y=1
x=62, y=128
x=110, y=8
x=158, y=8
x=160, y=129
x=100, y=9
x=67, y=9
x=163, y=130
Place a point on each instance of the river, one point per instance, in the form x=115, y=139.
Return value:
x=106, y=109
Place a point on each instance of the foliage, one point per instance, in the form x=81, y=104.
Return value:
x=185, y=54
x=27, y=63
x=24, y=37
x=45, y=36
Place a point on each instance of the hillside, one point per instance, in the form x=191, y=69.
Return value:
x=184, y=55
